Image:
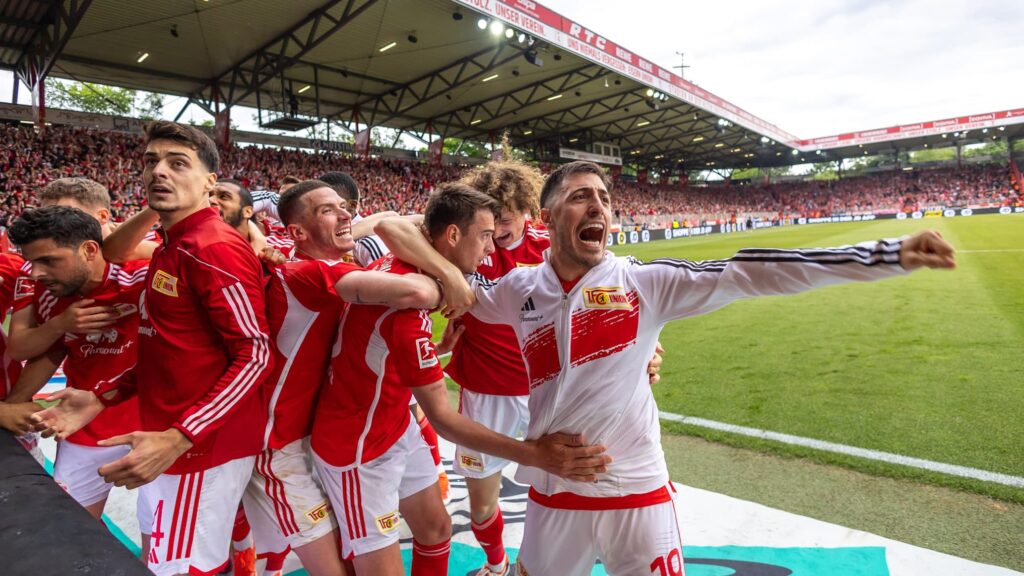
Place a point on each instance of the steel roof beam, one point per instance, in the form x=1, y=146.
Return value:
x=271, y=59
x=48, y=42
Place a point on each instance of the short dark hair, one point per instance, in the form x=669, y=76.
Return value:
x=456, y=203
x=244, y=196
x=553, y=185
x=289, y=205
x=82, y=190
x=66, y=226
x=289, y=179
x=190, y=136
x=343, y=184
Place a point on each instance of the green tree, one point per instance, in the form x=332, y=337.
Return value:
x=824, y=171
x=464, y=148
x=88, y=97
x=150, y=106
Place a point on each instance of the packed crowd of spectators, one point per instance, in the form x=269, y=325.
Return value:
x=27, y=162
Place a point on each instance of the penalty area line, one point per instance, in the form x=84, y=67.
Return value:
x=951, y=469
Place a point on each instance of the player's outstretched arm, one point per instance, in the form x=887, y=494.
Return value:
x=75, y=409
x=927, y=249
x=407, y=242
x=393, y=290
x=128, y=240
x=680, y=288
x=565, y=455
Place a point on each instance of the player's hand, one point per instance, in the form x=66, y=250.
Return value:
x=458, y=296
x=79, y=317
x=76, y=409
x=151, y=454
x=654, y=366
x=568, y=456
x=17, y=417
x=452, y=332
x=927, y=249
x=272, y=256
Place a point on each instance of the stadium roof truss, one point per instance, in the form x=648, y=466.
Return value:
x=470, y=69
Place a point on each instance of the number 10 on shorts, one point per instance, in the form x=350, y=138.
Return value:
x=670, y=564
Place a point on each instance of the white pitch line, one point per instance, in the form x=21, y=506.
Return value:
x=951, y=469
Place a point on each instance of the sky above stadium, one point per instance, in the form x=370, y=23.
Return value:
x=815, y=67
x=823, y=67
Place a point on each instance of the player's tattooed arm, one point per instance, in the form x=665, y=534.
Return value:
x=408, y=243
x=392, y=290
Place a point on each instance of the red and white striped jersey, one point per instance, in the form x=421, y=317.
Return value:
x=487, y=359
x=204, y=351
x=10, y=271
x=587, y=345
x=303, y=311
x=100, y=356
x=380, y=355
x=283, y=244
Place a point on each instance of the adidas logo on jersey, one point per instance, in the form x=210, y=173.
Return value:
x=528, y=306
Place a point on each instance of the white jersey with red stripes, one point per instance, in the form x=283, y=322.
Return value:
x=587, y=343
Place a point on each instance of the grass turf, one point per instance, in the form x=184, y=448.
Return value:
x=926, y=366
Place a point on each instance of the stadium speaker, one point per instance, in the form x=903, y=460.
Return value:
x=534, y=58
x=456, y=15
x=412, y=38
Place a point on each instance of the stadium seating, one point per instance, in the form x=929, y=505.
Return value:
x=112, y=158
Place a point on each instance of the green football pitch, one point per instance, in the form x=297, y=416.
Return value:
x=925, y=366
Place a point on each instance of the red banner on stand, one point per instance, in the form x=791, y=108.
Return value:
x=362, y=140
x=436, y=151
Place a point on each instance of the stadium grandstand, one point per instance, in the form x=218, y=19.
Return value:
x=509, y=76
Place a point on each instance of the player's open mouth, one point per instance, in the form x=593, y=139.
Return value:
x=343, y=232
x=506, y=237
x=592, y=234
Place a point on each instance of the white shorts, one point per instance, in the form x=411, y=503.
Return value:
x=366, y=496
x=193, y=515
x=283, y=500
x=508, y=415
x=75, y=470
x=630, y=541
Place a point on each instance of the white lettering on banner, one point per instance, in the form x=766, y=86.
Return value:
x=966, y=212
x=586, y=35
x=917, y=215
x=949, y=213
x=901, y=216
x=1005, y=210
x=1019, y=209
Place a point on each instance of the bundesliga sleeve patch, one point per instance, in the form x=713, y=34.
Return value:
x=425, y=352
x=23, y=288
x=164, y=283
x=606, y=298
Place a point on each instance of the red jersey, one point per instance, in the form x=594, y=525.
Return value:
x=487, y=358
x=10, y=270
x=102, y=356
x=303, y=311
x=203, y=345
x=381, y=354
x=283, y=244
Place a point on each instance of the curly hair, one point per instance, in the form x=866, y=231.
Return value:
x=515, y=185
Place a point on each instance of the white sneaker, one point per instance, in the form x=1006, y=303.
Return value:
x=506, y=570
